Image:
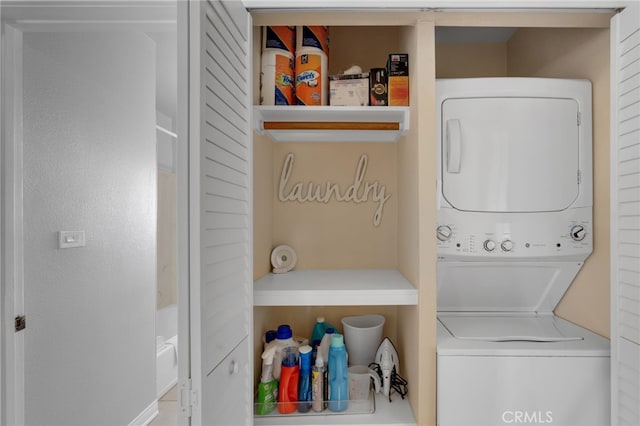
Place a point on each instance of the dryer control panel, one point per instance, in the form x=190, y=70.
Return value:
x=481, y=236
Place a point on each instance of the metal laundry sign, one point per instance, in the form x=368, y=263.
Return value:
x=358, y=192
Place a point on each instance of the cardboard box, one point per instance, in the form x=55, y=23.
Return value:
x=398, y=86
x=349, y=89
x=378, y=93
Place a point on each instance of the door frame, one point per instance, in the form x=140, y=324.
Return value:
x=18, y=17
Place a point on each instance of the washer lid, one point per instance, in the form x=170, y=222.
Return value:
x=503, y=286
x=501, y=329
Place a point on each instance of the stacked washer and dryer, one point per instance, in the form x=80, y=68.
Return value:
x=514, y=228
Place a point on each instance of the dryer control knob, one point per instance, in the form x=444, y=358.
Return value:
x=489, y=245
x=578, y=232
x=507, y=245
x=443, y=232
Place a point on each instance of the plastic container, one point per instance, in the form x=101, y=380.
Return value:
x=325, y=343
x=268, y=387
x=362, y=336
x=269, y=336
x=319, y=329
x=318, y=379
x=289, y=378
x=305, y=396
x=338, y=375
x=284, y=339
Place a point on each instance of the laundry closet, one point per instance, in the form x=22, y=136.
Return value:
x=339, y=242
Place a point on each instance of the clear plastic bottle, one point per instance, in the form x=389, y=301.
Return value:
x=305, y=396
x=338, y=375
x=317, y=383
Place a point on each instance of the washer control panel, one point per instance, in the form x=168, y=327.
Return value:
x=468, y=234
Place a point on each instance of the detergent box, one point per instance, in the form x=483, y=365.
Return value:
x=398, y=79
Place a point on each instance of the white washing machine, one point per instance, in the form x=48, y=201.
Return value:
x=514, y=228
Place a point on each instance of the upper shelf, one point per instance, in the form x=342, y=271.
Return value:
x=334, y=287
x=331, y=123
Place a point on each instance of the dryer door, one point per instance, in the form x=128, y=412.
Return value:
x=510, y=154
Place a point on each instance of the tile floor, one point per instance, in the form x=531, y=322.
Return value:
x=167, y=409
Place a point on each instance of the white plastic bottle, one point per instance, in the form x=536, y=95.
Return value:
x=325, y=343
x=284, y=339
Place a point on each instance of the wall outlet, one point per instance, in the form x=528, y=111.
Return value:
x=70, y=239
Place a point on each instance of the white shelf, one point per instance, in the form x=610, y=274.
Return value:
x=395, y=413
x=331, y=123
x=334, y=287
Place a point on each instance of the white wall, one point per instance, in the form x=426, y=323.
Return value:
x=89, y=164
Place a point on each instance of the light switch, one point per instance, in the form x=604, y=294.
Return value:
x=70, y=239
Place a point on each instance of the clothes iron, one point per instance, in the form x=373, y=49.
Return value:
x=389, y=361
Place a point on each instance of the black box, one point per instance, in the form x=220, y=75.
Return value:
x=378, y=87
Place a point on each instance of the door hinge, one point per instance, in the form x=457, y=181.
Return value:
x=579, y=118
x=187, y=398
x=20, y=323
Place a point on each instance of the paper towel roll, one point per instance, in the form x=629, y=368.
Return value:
x=312, y=77
x=312, y=37
x=277, y=78
x=279, y=38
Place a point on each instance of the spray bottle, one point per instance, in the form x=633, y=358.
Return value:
x=318, y=378
x=323, y=349
x=304, y=385
x=268, y=387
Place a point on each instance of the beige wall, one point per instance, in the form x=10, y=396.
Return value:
x=471, y=60
x=578, y=53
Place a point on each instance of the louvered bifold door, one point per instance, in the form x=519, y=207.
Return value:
x=220, y=211
x=625, y=217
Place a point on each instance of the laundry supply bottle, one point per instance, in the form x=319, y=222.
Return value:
x=318, y=377
x=305, y=396
x=268, y=387
x=325, y=343
x=269, y=337
x=284, y=339
x=289, y=378
x=319, y=329
x=338, y=374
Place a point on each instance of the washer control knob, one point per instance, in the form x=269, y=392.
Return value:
x=506, y=245
x=489, y=245
x=443, y=232
x=578, y=232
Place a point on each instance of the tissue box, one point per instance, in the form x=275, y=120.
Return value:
x=349, y=89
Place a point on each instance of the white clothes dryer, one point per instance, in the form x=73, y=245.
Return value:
x=514, y=228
